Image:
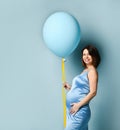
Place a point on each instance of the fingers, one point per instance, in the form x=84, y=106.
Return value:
x=72, y=110
x=72, y=104
x=65, y=85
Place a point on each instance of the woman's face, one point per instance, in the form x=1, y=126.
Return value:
x=87, y=58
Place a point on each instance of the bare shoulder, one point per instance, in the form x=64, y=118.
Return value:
x=93, y=73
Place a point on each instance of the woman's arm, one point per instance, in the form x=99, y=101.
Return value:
x=93, y=80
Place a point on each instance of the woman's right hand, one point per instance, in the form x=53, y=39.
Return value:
x=66, y=86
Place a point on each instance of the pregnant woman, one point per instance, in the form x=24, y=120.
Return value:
x=84, y=88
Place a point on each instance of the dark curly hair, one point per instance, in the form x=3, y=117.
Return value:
x=94, y=53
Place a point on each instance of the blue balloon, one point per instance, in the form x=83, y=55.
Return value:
x=61, y=33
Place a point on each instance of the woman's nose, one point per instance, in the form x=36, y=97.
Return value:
x=86, y=56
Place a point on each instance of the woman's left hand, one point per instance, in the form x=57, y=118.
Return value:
x=75, y=107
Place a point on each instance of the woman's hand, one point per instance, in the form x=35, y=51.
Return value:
x=75, y=107
x=66, y=86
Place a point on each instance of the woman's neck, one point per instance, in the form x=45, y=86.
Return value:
x=89, y=67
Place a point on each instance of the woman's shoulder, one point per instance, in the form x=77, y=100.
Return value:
x=92, y=72
x=93, y=69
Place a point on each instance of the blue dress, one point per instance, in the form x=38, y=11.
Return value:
x=80, y=88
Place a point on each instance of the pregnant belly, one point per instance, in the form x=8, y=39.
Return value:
x=73, y=97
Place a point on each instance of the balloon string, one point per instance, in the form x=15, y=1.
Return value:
x=63, y=92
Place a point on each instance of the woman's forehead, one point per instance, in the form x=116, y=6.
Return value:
x=85, y=51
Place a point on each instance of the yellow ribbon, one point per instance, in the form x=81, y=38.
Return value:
x=63, y=92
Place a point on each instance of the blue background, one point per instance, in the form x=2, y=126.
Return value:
x=30, y=74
